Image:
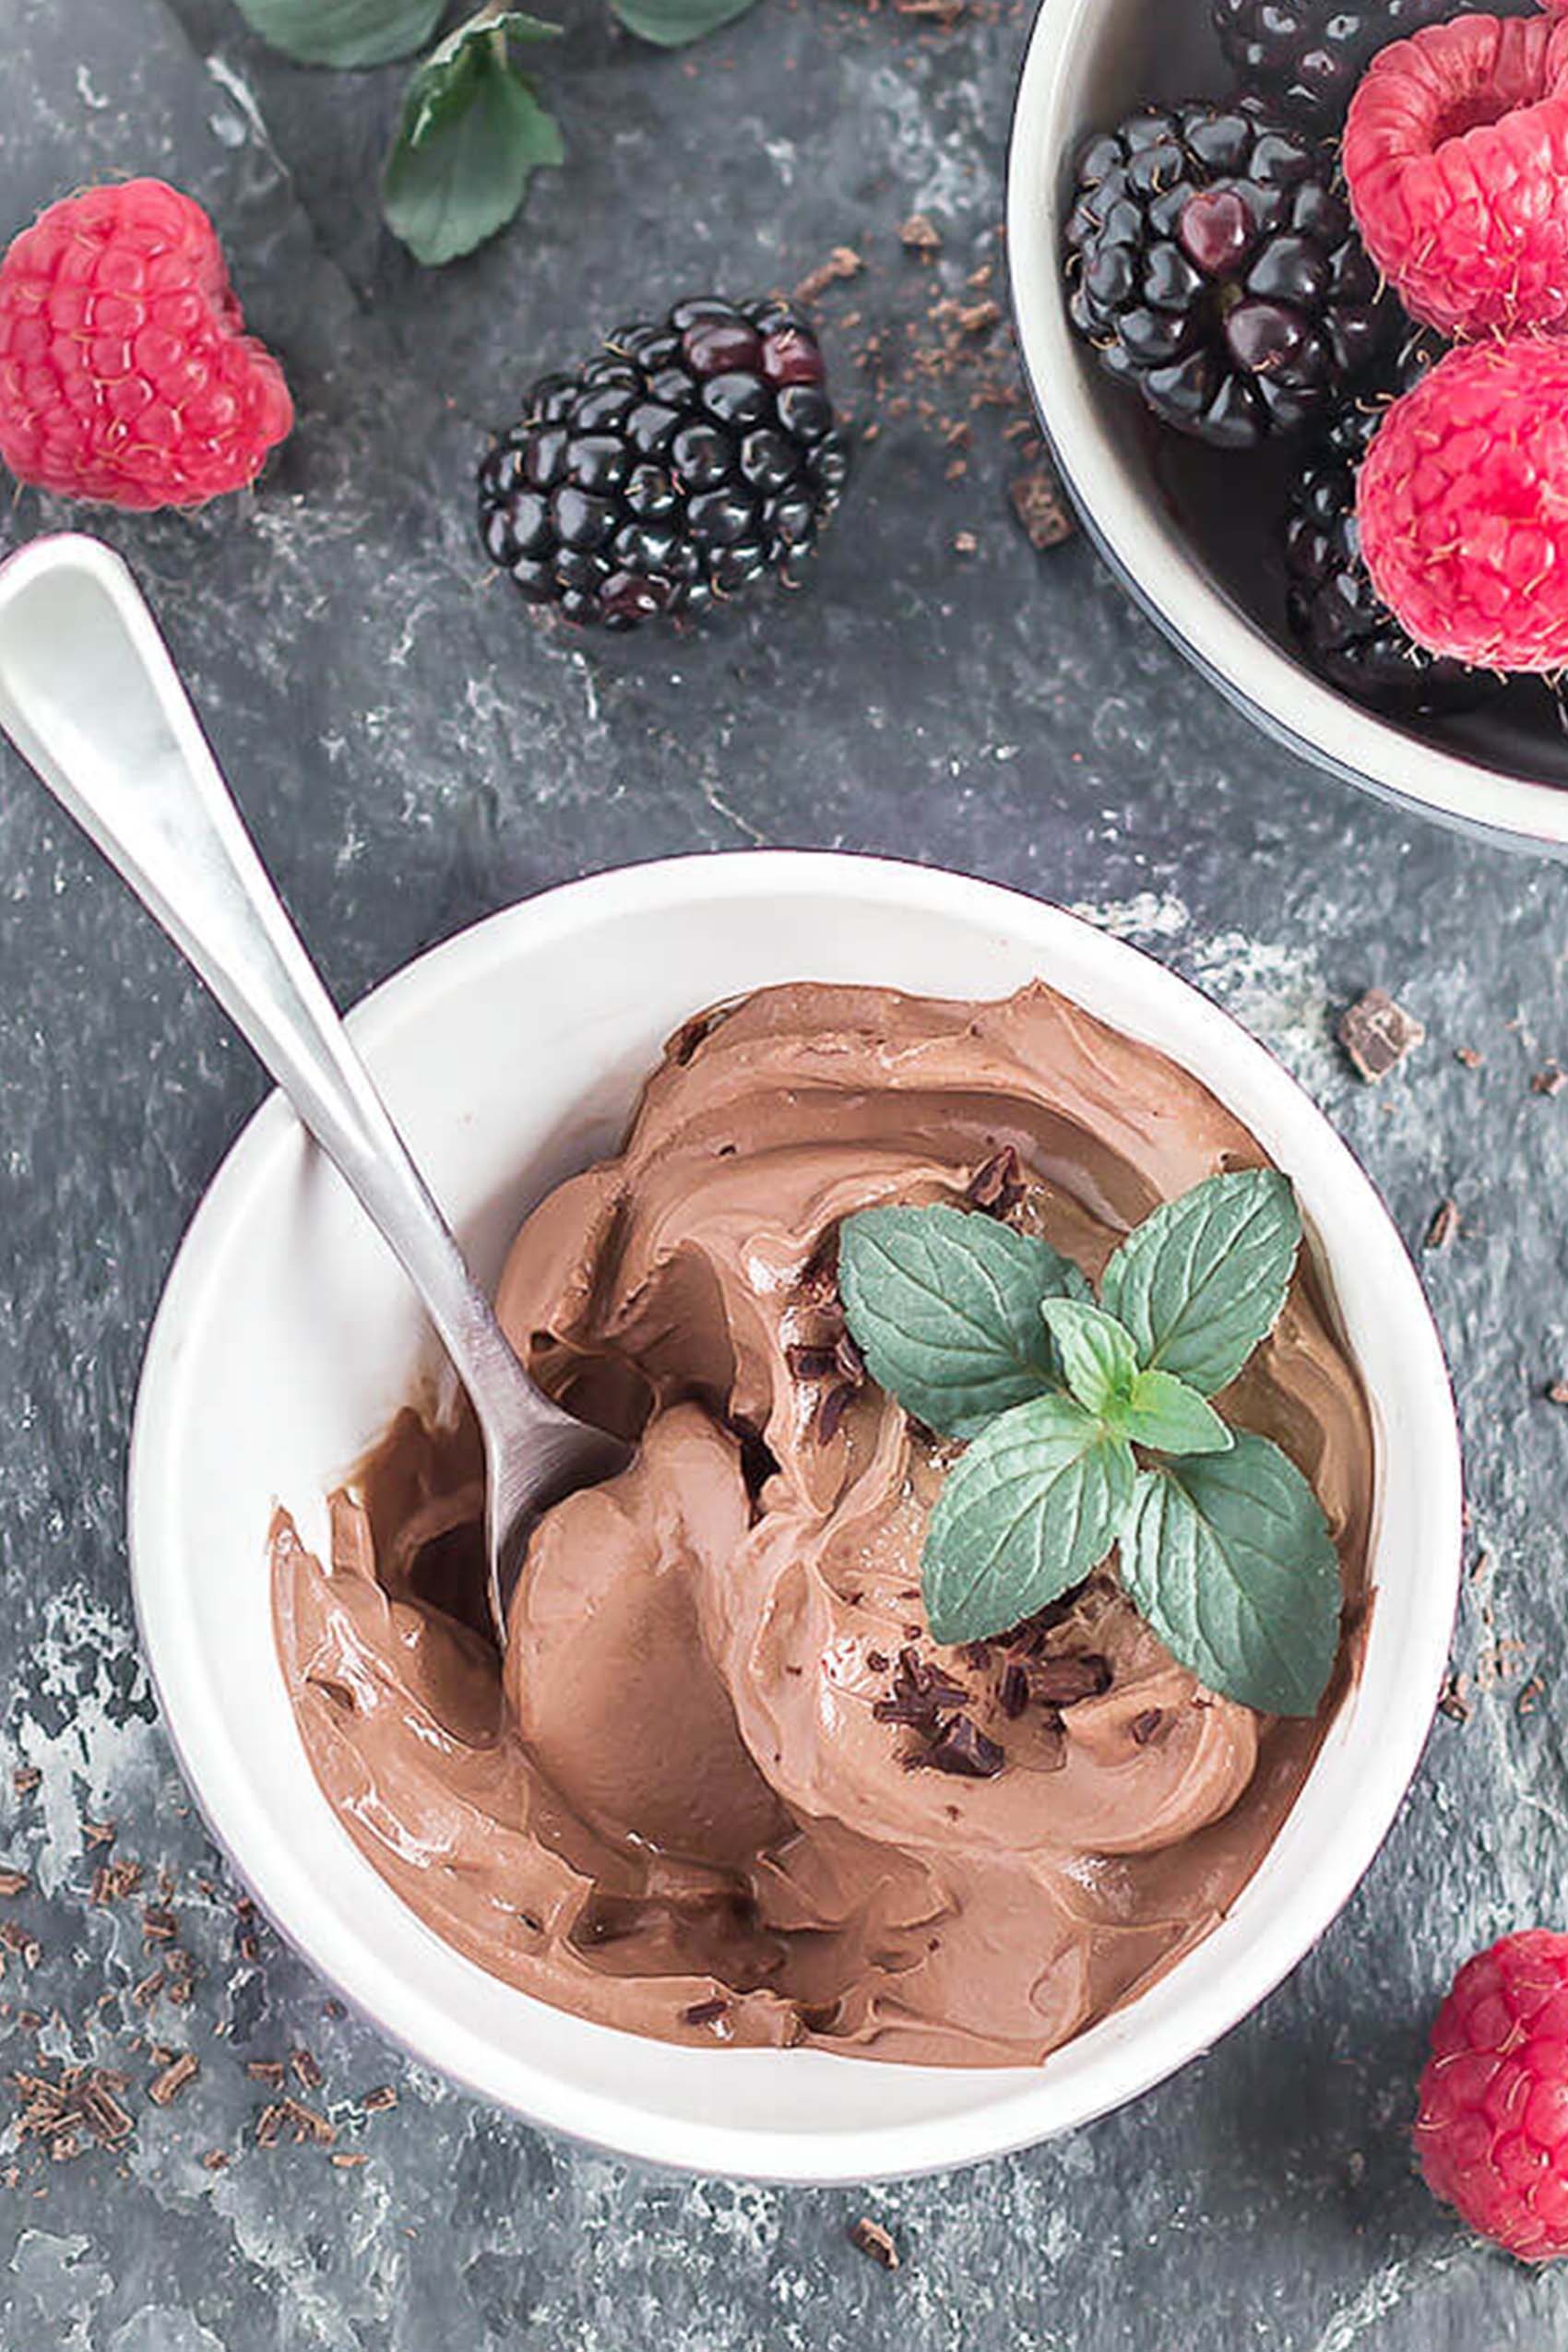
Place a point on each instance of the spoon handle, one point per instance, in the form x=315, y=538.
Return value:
x=91, y=699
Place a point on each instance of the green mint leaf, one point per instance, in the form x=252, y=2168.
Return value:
x=1099, y=1360
x=472, y=135
x=672, y=23
x=1034, y=1504
x=945, y=1305
x=343, y=32
x=1229, y=1559
x=1200, y=1282
x=1164, y=1414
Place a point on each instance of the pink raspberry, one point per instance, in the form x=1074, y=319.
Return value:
x=1462, y=503
x=125, y=372
x=1491, y=2130
x=1455, y=157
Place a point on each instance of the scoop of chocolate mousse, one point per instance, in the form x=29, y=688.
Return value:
x=727, y=1787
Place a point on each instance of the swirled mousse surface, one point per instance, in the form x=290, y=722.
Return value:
x=725, y=1789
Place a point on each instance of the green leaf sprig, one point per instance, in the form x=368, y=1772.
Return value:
x=992, y=1337
x=472, y=129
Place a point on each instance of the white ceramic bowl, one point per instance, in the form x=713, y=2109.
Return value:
x=287, y=1338
x=1189, y=530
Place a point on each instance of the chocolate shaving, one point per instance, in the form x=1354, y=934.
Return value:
x=306, y=2124
x=835, y=1403
x=705, y=2013
x=842, y=261
x=216, y=2160
x=1468, y=1056
x=1143, y=1728
x=1443, y=1227
x=349, y=2161
x=79, y=2098
x=1377, y=1033
x=266, y=2070
x=113, y=1881
x=1558, y=1393
x=1014, y=1693
x=997, y=1186
x=870, y=2238
x=376, y=2102
x=14, y=1881
x=14, y=1938
x=919, y=234
x=268, y=2125
x=1551, y=1080
x=158, y=1926
x=168, y=2085
x=307, y=2074
x=25, y=1779
x=98, y=1832
x=1453, y=1703
x=811, y=1363
x=1062, y=1682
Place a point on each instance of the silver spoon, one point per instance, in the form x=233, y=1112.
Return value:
x=91, y=700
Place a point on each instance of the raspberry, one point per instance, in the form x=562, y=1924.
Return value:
x=1491, y=2127
x=1463, y=506
x=1456, y=161
x=125, y=372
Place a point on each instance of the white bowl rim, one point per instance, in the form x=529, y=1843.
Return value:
x=439, y=2039
x=1283, y=698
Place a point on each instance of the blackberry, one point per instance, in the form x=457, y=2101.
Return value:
x=1308, y=55
x=688, y=457
x=1212, y=262
x=1348, y=632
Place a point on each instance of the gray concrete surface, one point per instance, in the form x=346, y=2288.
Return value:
x=413, y=754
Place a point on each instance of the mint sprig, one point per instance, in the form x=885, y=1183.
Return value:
x=992, y=1336
x=472, y=130
x=472, y=135
x=945, y=1309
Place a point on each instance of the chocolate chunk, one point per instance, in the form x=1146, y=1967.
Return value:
x=1557, y=1393
x=1062, y=1682
x=1443, y=1227
x=811, y=1363
x=919, y=234
x=870, y=2238
x=705, y=2013
x=1376, y=1033
x=1145, y=1728
x=1551, y=1080
x=961, y=1747
x=1041, y=506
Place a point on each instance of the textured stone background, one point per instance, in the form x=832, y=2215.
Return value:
x=413, y=754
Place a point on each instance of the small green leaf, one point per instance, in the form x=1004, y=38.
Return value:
x=672, y=23
x=343, y=32
x=945, y=1305
x=1229, y=1559
x=1202, y=1280
x=1164, y=1414
x=1034, y=1504
x=1099, y=1360
x=472, y=135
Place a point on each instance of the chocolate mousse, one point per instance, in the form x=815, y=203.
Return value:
x=726, y=1790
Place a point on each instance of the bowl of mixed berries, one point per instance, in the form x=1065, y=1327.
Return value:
x=1292, y=284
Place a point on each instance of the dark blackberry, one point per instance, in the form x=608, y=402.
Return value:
x=1211, y=261
x=681, y=462
x=1348, y=632
x=1308, y=55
